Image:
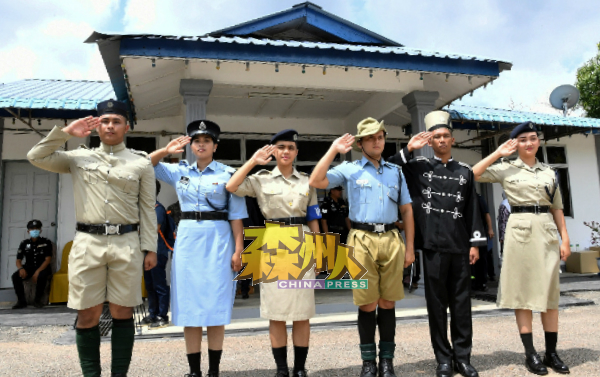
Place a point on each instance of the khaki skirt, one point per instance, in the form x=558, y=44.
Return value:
x=530, y=265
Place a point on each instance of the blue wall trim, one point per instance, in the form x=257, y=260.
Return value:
x=302, y=55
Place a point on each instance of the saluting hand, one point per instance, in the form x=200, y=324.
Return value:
x=176, y=146
x=264, y=155
x=82, y=127
x=343, y=144
x=419, y=141
x=507, y=148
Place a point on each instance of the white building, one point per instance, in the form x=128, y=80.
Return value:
x=302, y=68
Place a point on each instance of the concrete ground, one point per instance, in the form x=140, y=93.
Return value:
x=33, y=350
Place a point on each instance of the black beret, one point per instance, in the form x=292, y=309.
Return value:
x=204, y=127
x=522, y=128
x=112, y=107
x=285, y=135
x=34, y=224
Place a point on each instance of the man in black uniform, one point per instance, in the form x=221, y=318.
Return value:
x=335, y=214
x=449, y=231
x=37, y=252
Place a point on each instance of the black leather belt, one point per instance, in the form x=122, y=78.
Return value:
x=204, y=215
x=107, y=229
x=291, y=220
x=530, y=209
x=376, y=228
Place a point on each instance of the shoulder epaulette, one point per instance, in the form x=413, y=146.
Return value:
x=465, y=165
x=394, y=165
x=139, y=153
x=303, y=173
x=83, y=146
x=184, y=163
x=229, y=169
x=422, y=158
x=263, y=172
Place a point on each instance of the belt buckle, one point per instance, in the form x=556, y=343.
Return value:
x=198, y=216
x=536, y=210
x=379, y=228
x=111, y=229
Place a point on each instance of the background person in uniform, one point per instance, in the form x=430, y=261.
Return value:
x=503, y=214
x=156, y=278
x=449, y=231
x=529, y=279
x=114, y=191
x=283, y=195
x=481, y=267
x=174, y=210
x=209, y=244
x=376, y=189
x=37, y=252
x=335, y=214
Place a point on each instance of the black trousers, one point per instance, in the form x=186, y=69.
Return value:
x=40, y=285
x=448, y=285
x=480, y=268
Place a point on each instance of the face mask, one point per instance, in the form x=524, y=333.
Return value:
x=35, y=233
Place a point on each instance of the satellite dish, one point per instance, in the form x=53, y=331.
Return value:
x=564, y=98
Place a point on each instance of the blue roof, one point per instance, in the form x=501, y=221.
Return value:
x=470, y=114
x=307, y=21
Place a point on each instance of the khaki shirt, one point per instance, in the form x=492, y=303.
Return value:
x=525, y=185
x=277, y=196
x=112, y=185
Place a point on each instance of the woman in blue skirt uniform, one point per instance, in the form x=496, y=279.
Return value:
x=207, y=253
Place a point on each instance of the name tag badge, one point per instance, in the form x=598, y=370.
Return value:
x=362, y=182
x=184, y=180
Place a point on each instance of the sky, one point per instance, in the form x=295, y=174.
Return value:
x=546, y=40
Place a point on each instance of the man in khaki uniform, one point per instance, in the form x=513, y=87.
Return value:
x=376, y=190
x=114, y=190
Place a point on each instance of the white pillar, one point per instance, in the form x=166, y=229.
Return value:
x=420, y=103
x=195, y=97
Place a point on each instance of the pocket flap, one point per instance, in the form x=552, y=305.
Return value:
x=88, y=166
x=522, y=224
x=551, y=226
x=272, y=190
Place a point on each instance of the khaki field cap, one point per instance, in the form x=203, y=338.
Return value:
x=367, y=127
x=437, y=119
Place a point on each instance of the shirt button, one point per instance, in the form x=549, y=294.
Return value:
x=379, y=184
x=443, y=194
x=106, y=201
x=105, y=181
x=442, y=211
x=107, y=221
x=110, y=165
x=380, y=198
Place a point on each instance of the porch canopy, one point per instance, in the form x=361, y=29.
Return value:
x=302, y=63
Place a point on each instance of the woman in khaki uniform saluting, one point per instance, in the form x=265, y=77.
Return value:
x=532, y=253
x=283, y=195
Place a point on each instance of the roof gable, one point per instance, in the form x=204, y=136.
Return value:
x=306, y=22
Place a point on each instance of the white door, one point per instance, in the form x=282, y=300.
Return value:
x=29, y=193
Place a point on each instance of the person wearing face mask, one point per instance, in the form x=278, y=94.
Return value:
x=209, y=243
x=529, y=279
x=114, y=193
x=37, y=252
x=283, y=195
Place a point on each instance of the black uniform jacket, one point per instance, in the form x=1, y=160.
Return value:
x=34, y=253
x=445, y=204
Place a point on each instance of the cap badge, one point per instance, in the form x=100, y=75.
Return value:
x=531, y=125
x=202, y=126
x=295, y=137
x=109, y=105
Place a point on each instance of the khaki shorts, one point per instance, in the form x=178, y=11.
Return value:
x=382, y=254
x=105, y=268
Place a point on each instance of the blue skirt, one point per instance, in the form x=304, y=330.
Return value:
x=202, y=285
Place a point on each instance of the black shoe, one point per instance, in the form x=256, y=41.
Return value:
x=245, y=296
x=492, y=278
x=369, y=369
x=212, y=374
x=282, y=374
x=534, y=364
x=193, y=375
x=386, y=368
x=300, y=373
x=37, y=304
x=119, y=375
x=19, y=305
x=443, y=370
x=159, y=323
x=553, y=361
x=466, y=370
x=148, y=320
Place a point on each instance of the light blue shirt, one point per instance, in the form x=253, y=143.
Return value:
x=373, y=194
x=201, y=191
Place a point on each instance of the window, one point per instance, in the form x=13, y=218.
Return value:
x=94, y=141
x=228, y=150
x=141, y=143
x=556, y=156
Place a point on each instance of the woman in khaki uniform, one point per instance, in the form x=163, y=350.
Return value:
x=283, y=195
x=529, y=278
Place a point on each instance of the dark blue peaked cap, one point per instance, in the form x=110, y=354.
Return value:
x=112, y=107
x=34, y=224
x=204, y=127
x=522, y=128
x=285, y=135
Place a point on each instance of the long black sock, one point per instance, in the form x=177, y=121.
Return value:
x=122, y=337
x=280, y=355
x=527, y=340
x=194, y=362
x=386, y=321
x=88, y=347
x=551, y=340
x=367, y=322
x=300, y=354
x=214, y=359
